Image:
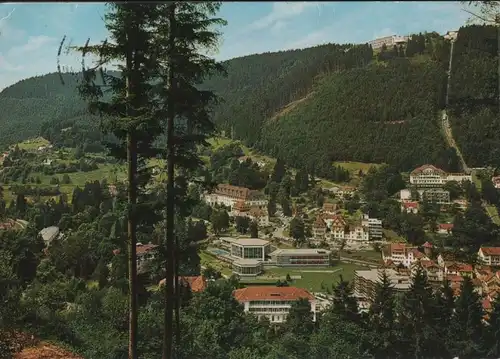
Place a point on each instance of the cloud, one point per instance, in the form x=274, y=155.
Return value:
x=34, y=43
x=282, y=11
x=7, y=66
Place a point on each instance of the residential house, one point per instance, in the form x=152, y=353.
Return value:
x=341, y=230
x=496, y=181
x=489, y=255
x=330, y=208
x=409, y=207
x=319, y=228
x=400, y=253
x=445, y=228
x=434, y=272
x=274, y=303
x=346, y=191
x=194, y=283
x=259, y=215
x=145, y=254
x=459, y=269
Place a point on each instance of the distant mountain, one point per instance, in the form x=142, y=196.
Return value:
x=317, y=105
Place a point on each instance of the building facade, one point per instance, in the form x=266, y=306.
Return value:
x=431, y=176
x=374, y=226
x=436, y=195
x=274, y=303
x=400, y=253
x=388, y=41
x=250, y=248
x=228, y=195
x=489, y=255
x=301, y=257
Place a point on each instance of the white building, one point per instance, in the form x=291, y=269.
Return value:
x=496, y=181
x=340, y=230
x=374, y=226
x=388, y=41
x=400, y=253
x=489, y=255
x=405, y=195
x=229, y=195
x=273, y=302
x=247, y=255
x=48, y=234
x=301, y=257
x=431, y=176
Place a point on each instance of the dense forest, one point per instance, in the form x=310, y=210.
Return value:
x=474, y=95
x=352, y=104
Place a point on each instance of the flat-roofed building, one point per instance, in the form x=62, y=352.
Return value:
x=249, y=248
x=246, y=267
x=436, y=195
x=301, y=256
x=365, y=282
x=273, y=303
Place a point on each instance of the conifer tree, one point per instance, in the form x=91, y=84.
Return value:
x=344, y=302
x=124, y=105
x=466, y=322
x=382, y=319
x=492, y=337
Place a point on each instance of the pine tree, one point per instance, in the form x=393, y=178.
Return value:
x=344, y=302
x=466, y=322
x=492, y=337
x=187, y=30
x=382, y=318
x=418, y=319
x=127, y=115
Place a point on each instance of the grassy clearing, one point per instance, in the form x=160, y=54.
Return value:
x=32, y=144
x=493, y=213
x=207, y=259
x=392, y=236
x=368, y=255
x=356, y=166
x=314, y=281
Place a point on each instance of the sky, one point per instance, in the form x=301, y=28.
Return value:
x=30, y=33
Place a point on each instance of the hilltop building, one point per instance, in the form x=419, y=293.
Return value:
x=388, y=41
x=431, y=176
x=229, y=195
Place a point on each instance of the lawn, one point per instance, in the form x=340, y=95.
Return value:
x=312, y=281
x=368, y=255
x=392, y=236
x=33, y=144
x=207, y=259
x=356, y=166
x=493, y=213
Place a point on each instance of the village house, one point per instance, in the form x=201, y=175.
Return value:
x=228, y=195
x=400, y=253
x=274, y=303
x=244, y=209
x=404, y=195
x=346, y=191
x=319, y=228
x=431, y=176
x=145, y=254
x=341, y=230
x=409, y=207
x=489, y=255
x=459, y=269
x=435, y=274
x=496, y=181
x=445, y=228
x=330, y=208
x=195, y=284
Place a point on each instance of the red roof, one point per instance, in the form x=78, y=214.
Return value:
x=455, y=278
x=270, y=293
x=410, y=204
x=428, y=264
x=427, y=245
x=319, y=223
x=491, y=251
x=195, y=283
x=486, y=304
x=424, y=167
x=446, y=226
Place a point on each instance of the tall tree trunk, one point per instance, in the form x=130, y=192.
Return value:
x=131, y=220
x=170, y=240
x=177, y=294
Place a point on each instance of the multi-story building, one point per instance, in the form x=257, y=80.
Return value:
x=273, y=302
x=388, y=41
x=365, y=282
x=247, y=255
x=319, y=228
x=431, y=176
x=257, y=214
x=489, y=255
x=435, y=274
x=229, y=195
x=340, y=230
x=400, y=253
x=301, y=257
x=374, y=226
x=436, y=195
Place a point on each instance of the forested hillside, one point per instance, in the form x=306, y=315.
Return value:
x=380, y=113
x=317, y=105
x=474, y=95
